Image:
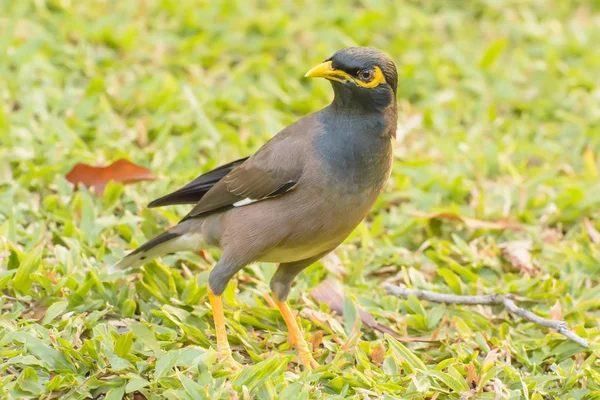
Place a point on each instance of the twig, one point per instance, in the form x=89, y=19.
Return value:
x=507, y=300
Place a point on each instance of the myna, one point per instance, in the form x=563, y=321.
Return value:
x=299, y=196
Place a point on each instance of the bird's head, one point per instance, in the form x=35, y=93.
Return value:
x=361, y=77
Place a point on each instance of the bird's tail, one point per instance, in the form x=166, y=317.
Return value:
x=165, y=243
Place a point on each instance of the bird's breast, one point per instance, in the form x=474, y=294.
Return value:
x=355, y=155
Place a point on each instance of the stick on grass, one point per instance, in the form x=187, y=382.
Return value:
x=507, y=300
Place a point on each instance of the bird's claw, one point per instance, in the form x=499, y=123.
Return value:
x=308, y=362
x=313, y=364
x=230, y=362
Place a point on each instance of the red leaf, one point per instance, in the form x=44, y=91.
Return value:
x=98, y=177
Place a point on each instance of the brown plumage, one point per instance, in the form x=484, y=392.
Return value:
x=301, y=194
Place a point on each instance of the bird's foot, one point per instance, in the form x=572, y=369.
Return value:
x=307, y=360
x=312, y=364
x=229, y=361
x=223, y=349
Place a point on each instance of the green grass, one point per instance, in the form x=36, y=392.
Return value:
x=500, y=119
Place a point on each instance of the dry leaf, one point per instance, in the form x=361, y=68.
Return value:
x=551, y=235
x=320, y=318
x=490, y=360
x=36, y=313
x=591, y=231
x=232, y=394
x=316, y=340
x=556, y=312
x=334, y=265
x=472, y=377
x=98, y=177
x=352, y=341
x=330, y=292
x=378, y=354
x=442, y=324
x=518, y=254
x=471, y=222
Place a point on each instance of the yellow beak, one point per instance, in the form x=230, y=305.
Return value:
x=325, y=70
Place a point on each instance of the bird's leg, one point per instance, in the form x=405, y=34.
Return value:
x=223, y=349
x=297, y=338
x=280, y=285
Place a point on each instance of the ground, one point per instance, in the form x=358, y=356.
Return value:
x=495, y=189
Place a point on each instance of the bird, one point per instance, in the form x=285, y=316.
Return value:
x=298, y=197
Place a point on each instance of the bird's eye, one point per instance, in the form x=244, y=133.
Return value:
x=365, y=75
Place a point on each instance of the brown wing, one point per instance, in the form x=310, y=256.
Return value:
x=272, y=171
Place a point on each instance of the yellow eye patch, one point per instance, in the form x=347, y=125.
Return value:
x=326, y=70
x=377, y=79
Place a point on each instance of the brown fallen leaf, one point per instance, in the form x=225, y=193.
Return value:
x=353, y=337
x=472, y=378
x=98, y=177
x=518, y=254
x=232, y=394
x=551, y=235
x=441, y=325
x=330, y=292
x=37, y=313
x=334, y=265
x=316, y=340
x=378, y=354
x=490, y=359
x=471, y=222
x=591, y=231
x=556, y=312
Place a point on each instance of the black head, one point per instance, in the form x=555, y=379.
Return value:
x=361, y=77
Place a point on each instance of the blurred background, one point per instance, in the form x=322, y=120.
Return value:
x=495, y=187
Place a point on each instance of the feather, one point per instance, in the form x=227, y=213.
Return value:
x=165, y=243
x=193, y=192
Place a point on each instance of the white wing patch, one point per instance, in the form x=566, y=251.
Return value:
x=244, y=202
x=283, y=189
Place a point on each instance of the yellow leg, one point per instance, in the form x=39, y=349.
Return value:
x=223, y=349
x=296, y=335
